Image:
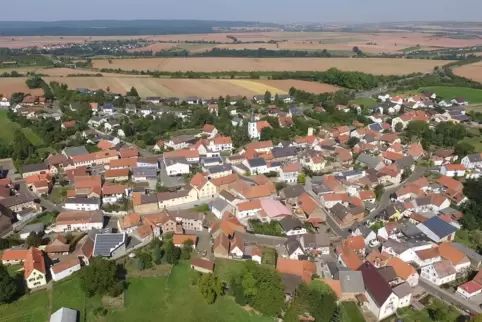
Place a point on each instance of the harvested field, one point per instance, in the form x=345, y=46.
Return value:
x=192, y=87
x=8, y=86
x=471, y=71
x=64, y=71
x=379, y=66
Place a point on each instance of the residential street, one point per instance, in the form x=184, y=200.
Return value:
x=449, y=297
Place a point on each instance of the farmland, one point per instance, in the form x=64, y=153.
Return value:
x=8, y=86
x=471, y=71
x=148, y=86
x=471, y=95
x=377, y=66
x=8, y=128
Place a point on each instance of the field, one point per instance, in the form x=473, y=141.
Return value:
x=471, y=95
x=174, y=299
x=8, y=128
x=148, y=86
x=365, y=101
x=8, y=86
x=29, y=308
x=353, y=312
x=379, y=66
x=471, y=71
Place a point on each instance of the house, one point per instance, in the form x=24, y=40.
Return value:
x=69, y=124
x=141, y=174
x=129, y=223
x=459, y=101
x=4, y=102
x=204, y=188
x=437, y=229
x=172, y=199
x=180, y=240
x=236, y=247
x=292, y=226
x=108, y=108
x=439, y=273
x=33, y=228
x=117, y=175
x=202, y=265
x=255, y=128
x=14, y=255
x=472, y=161
x=294, y=249
x=58, y=246
x=474, y=257
x=315, y=244
x=453, y=170
x=209, y=130
x=65, y=268
x=469, y=289
x=144, y=203
x=35, y=272
x=81, y=203
x=78, y=220
x=256, y=165
x=109, y=245
x=302, y=268
x=221, y=246
x=289, y=173
x=404, y=271
x=455, y=256
x=34, y=169
x=381, y=300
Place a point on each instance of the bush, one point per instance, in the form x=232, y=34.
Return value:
x=117, y=289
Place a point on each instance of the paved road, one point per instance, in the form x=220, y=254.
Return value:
x=449, y=297
x=385, y=199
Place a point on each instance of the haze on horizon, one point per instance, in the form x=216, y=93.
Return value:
x=279, y=11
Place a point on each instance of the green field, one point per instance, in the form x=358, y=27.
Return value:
x=353, y=312
x=471, y=95
x=173, y=298
x=29, y=308
x=365, y=101
x=225, y=268
x=8, y=128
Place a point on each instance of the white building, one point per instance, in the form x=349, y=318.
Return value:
x=453, y=170
x=469, y=289
x=65, y=268
x=35, y=272
x=84, y=204
x=472, y=161
x=78, y=221
x=176, y=166
x=4, y=102
x=439, y=273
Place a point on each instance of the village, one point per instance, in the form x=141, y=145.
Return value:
x=355, y=206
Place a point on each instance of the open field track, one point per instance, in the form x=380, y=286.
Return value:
x=471, y=71
x=148, y=86
x=378, y=66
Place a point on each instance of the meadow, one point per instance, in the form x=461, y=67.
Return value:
x=8, y=128
x=471, y=95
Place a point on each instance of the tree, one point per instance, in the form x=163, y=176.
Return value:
x=157, y=254
x=267, y=97
x=100, y=277
x=8, y=285
x=210, y=287
x=172, y=253
x=132, y=92
x=407, y=172
x=186, y=249
x=34, y=239
x=399, y=127
x=463, y=148
x=144, y=260
x=379, y=190
x=267, y=134
x=352, y=141
x=416, y=128
x=301, y=178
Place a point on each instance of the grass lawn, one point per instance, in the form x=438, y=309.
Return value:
x=365, y=101
x=471, y=95
x=173, y=298
x=29, y=308
x=269, y=256
x=475, y=141
x=225, y=268
x=45, y=218
x=8, y=128
x=353, y=312
x=58, y=194
x=13, y=269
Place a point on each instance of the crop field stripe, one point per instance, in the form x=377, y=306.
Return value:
x=256, y=87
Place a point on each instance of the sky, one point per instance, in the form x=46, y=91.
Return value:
x=280, y=11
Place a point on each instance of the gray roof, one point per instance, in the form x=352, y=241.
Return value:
x=105, y=244
x=72, y=151
x=474, y=157
x=351, y=281
x=227, y=195
x=33, y=228
x=339, y=211
x=257, y=162
x=144, y=172
x=284, y=152
x=369, y=160
x=438, y=227
x=82, y=200
x=396, y=246
x=292, y=244
x=316, y=240
x=17, y=200
x=402, y=290
x=34, y=167
x=388, y=273
x=219, y=204
x=293, y=191
x=64, y=314
x=220, y=168
x=131, y=107
x=212, y=160
x=405, y=162
x=291, y=282
x=172, y=161
x=289, y=222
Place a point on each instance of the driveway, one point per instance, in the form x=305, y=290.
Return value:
x=203, y=242
x=170, y=182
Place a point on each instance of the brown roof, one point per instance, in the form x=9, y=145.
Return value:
x=14, y=254
x=451, y=253
x=225, y=180
x=144, y=230
x=450, y=183
x=202, y=263
x=85, y=247
x=307, y=203
x=221, y=244
x=249, y=205
x=130, y=220
x=187, y=153
x=180, y=239
x=402, y=269
x=375, y=284
x=351, y=260
x=123, y=163
x=112, y=189
x=335, y=285
x=198, y=180
x=425, y=254
x=304, y=269
x=65, y=264
x=444, y=268
x=378, y=259
x=77, y=217
x=237, y=242
x=34, y=260
x=116, y=173
x=128, y=152
x=355, y=243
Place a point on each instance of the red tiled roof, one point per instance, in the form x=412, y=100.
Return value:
x=117, y=173
x=128, y=152
x=470, y=287
x=34, y=260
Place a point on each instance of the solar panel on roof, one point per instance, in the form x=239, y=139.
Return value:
x=105, y=244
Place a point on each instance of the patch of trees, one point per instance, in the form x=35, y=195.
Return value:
x=210, y=286
x=272, y=228
x=6, y=243
x=259, y=287
x=264, y=53
x=38, y=82
x=101, y=277
x=472, y=209
x=8, y=285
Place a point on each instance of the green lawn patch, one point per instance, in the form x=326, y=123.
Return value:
x=173, y=298
x=273, y=228
x=365, y=101
x=13, y=269
x=476, y=142
x=45, y=218
x=58, y=194
x=225, y=268
x=269, y=256
x=8, y=128
x=29, y=308
x=353, y=312
x=471, y=95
